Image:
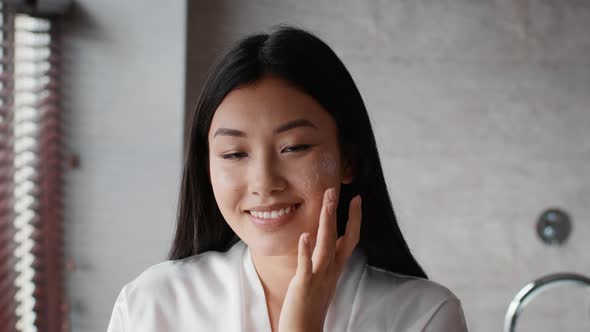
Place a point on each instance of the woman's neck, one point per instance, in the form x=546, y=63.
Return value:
x=275, y=274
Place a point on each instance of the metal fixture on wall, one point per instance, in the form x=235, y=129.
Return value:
x=554, y=226
x=528, y=292
x=31, y=264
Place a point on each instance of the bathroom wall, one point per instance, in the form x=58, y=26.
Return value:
x=123, y=86
x=482, y=114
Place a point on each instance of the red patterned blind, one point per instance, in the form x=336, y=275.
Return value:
x=31, y=263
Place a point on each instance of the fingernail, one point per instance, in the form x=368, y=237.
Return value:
x=333, y=206
x=333, y=194
x=306, y=238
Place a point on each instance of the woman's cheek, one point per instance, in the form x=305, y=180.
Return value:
x=309, y=178
x=224, y=181
x=328, y=166
x=317, y=176
x=326, y=171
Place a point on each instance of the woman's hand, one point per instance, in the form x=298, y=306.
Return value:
x=311, y=290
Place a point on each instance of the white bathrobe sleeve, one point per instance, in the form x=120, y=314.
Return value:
x=448, y=317
x=119, y=317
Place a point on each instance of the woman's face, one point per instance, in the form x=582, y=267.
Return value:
x=273, y=148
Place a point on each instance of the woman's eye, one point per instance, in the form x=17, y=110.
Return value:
x=240, y=155
x=236, y=155
x=296, y=148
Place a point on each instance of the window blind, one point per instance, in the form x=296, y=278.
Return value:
x=31, y=258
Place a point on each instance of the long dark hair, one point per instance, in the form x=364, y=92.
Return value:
x=310, y=65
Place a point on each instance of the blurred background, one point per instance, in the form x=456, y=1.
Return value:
x=481, y=111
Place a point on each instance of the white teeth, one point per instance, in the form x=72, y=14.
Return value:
x=272, y=214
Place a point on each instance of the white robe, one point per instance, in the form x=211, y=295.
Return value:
x=221, y=291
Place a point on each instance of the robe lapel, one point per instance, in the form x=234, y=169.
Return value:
x=254, y=310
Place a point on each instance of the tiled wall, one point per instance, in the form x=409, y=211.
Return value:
x=482, y=115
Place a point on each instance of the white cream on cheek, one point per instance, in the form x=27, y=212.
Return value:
x=328, y=163
x=222, y=177
x=310, y=178
x=319, y=176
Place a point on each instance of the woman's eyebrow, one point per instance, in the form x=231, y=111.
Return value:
x=294, y=124
x=287, y=126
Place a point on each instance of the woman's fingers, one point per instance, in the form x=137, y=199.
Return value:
x=325, y=247
x=346, y=243
x=304, y=264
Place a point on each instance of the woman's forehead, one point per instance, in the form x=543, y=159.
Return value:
x=266, y=105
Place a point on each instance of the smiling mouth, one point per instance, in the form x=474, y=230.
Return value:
x=274, y=214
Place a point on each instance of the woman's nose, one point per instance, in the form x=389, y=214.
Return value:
x=265, y=177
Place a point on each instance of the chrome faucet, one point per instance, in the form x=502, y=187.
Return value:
x=532, y=289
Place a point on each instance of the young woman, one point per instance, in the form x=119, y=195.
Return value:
x=285, y=223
